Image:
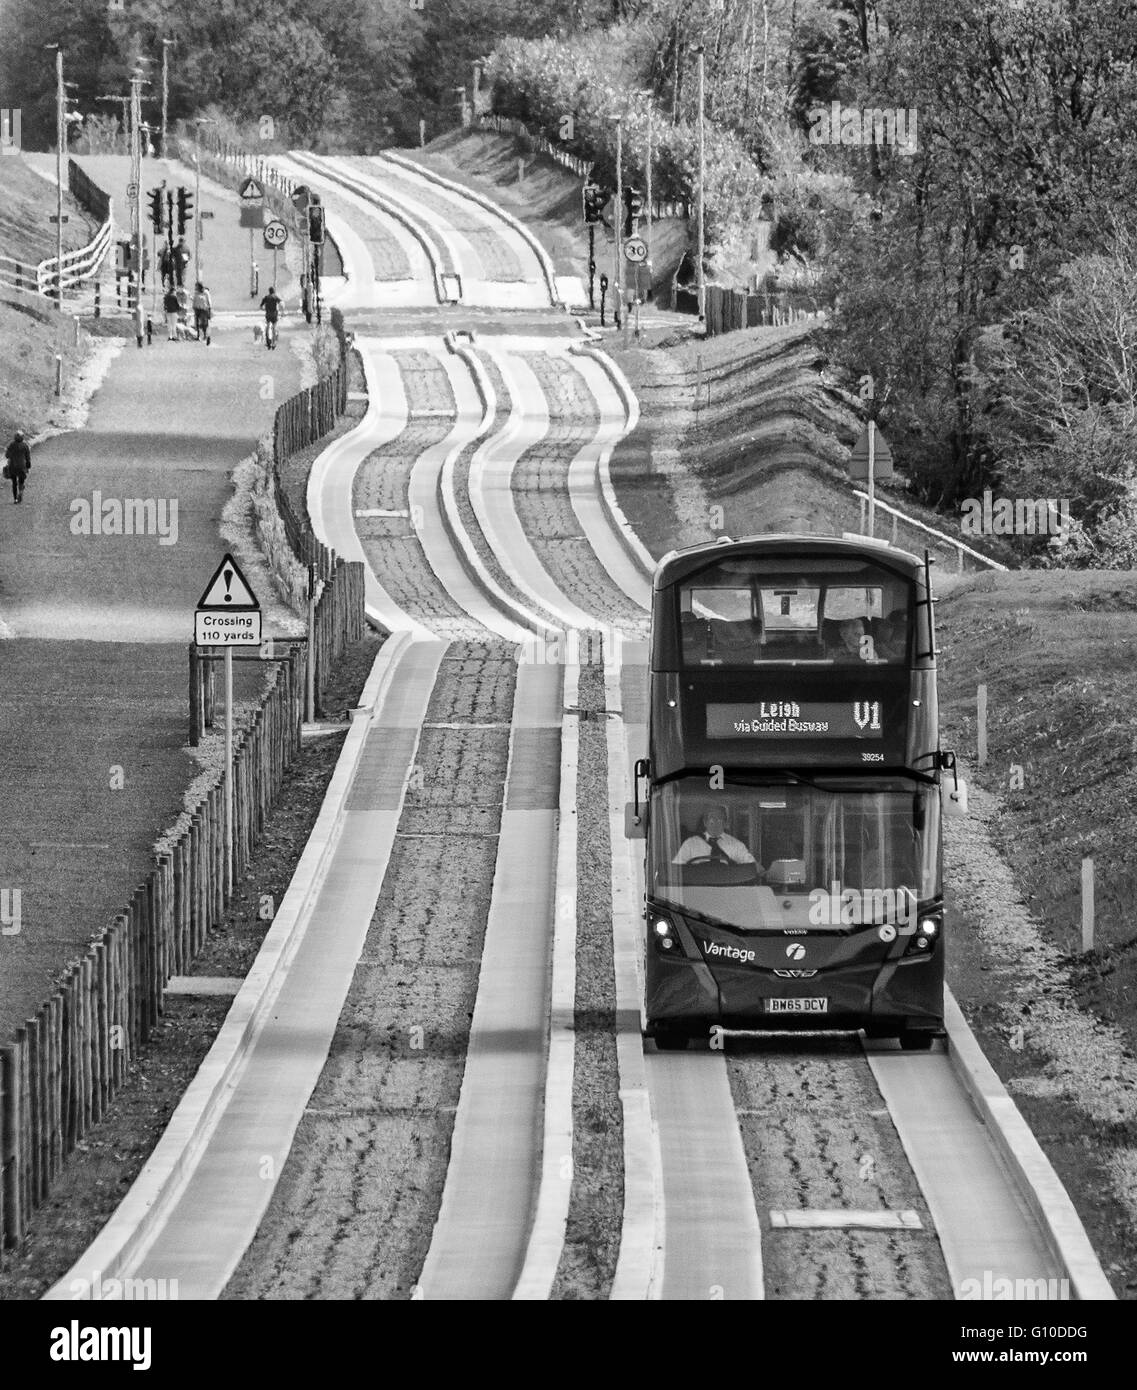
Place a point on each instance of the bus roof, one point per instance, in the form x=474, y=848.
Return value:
x=678, y=564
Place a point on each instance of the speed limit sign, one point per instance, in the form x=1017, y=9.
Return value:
x=635, y=250
x=275, y=234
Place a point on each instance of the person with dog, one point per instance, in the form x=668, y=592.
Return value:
x=271, y=304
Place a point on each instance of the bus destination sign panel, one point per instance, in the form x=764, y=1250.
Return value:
x=793, y=719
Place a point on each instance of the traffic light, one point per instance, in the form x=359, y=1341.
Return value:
x=594, y=200
x=185, y=210
x=156, y=219
x=633, y=209
x=316, y=224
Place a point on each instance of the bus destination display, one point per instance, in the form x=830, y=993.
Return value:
x=778, y=719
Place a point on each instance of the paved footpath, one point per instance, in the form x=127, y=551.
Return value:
x=94, y=676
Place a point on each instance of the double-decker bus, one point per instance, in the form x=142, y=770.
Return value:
x=793, y=791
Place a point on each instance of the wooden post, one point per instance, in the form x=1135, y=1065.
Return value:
x=12, y=1102
x=1087, y=905
x=228, y=772
x=981, y=724
x=310, y=700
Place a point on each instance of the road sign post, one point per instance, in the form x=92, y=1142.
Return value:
x=871, y=462
x=252, y=197
x=275, y=235
x=228, y=615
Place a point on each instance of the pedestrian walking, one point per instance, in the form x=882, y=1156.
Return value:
x=166, y=263
x=17, y=464
x=182, y=257
x=202, y=311
x=171, y=306
x=271, y=304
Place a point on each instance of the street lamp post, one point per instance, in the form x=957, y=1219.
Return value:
x=165, y=91
x=702, y=183
x=199, y=121
x=136, y=81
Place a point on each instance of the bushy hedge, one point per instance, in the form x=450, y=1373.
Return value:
x=544, y=81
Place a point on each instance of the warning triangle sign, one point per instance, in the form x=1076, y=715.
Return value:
x=250, y=191
x=228, y=589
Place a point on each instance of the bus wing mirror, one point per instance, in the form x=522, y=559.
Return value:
x=634, y=827
x=956, y=804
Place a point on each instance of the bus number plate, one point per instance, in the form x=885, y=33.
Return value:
x=797, y=1006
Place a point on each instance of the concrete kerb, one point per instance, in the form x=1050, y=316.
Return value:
x=344, y=178
x=1034, y=1177
x=543, y=258
x=139, y=1216
x=639, y=1272
x=389, y=618
x=451, y=517
x=550, y=1217
x=638, y=552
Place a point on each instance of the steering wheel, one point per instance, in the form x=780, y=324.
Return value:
x=702, y=860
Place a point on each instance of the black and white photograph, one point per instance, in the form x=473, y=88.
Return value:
x=568, y=647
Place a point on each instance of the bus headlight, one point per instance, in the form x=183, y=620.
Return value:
x=664, y=938
x=923, y=940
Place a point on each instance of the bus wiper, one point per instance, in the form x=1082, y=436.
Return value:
x=693, y=912
x=824, y=782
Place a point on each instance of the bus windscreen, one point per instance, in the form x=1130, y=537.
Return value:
x=752, y=612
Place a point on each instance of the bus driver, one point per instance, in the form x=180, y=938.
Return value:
x=715, y=844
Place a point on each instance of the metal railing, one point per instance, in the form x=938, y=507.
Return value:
x=900, y=518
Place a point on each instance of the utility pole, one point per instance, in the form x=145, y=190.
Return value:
x=648, y=98
x=60, y=140
x=136, y=177
x=165, y=91
x=649, y=134
x=197, y=213
x=702, y=183
x=619, y=276
x=199, y=121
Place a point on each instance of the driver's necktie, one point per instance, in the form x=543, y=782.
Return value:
x=717, y=851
